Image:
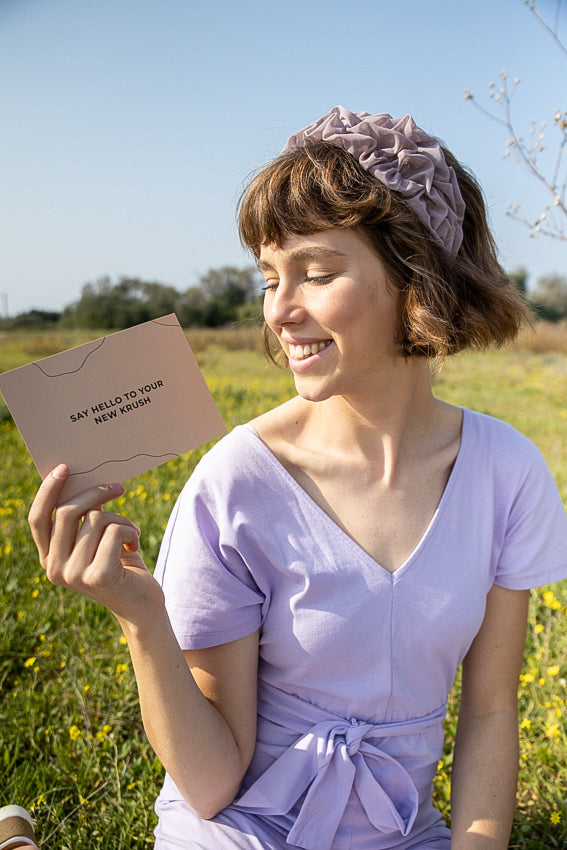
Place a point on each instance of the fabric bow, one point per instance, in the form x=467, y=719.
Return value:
x=326, y=764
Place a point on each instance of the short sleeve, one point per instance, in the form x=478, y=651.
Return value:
x=535, y=545
x=210, y=594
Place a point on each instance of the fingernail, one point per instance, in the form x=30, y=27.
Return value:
x=115, y=488
x=60, y=471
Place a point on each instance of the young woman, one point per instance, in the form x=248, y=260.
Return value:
x=329, y=565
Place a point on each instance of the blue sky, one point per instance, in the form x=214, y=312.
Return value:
x=129, y=126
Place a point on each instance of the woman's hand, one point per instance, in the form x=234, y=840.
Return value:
x=90, y=550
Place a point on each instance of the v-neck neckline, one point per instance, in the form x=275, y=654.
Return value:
x=339, y=532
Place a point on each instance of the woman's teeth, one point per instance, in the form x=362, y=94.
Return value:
x=300, y=352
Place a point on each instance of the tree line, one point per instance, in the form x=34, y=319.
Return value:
x=222, y=296
x=548, y=299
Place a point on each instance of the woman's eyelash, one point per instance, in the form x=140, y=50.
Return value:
x=320, y=279
x=325, y=278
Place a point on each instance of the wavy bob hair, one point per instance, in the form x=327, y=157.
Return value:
x=448, y=304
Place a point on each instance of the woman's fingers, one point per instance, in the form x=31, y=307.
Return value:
x=92, y=551
x=43, y=505
x=56, y=535
x=97, y=533
x=95, y=568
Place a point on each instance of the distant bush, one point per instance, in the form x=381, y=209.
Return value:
x=32, y=320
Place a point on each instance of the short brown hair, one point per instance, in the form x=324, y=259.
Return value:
x=448, y=303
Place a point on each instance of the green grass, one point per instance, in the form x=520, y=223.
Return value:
x=71, y=745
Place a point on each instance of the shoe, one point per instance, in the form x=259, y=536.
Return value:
x=16, y=829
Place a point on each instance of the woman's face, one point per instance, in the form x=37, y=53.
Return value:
x=336, y=316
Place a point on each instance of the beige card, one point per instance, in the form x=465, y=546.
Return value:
x=115, y=407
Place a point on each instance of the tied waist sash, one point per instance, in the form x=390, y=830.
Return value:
x=332, y=757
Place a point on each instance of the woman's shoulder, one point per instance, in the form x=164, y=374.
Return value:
x=279, y=419
x=235, y=450
x=240, y=459
x=488, y=428
x=496, y=443
x=278, y=428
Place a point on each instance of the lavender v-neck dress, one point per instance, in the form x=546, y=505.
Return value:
x=356, y=663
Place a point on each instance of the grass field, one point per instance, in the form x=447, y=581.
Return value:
x=71, y=744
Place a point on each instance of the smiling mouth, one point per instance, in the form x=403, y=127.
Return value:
x=300, y=352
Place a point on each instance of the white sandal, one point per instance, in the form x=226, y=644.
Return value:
x=16, y=829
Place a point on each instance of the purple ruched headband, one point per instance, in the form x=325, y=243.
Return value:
x=403, y=157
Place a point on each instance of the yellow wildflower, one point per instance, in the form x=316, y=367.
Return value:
x=550, y=601
x=38, y=802
x=75, y=733
x=555, y=818
x=30, y=662
x=102, y=733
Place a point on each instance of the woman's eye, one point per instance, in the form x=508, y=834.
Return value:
x=272, y=284
x=323, y=278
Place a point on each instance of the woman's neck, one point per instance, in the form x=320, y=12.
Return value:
x=383, y=429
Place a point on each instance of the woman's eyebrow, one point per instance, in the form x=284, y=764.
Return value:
x=263, y=266
x=315, y=253
x=312, y=252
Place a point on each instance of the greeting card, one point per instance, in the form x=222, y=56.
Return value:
x=114, y=407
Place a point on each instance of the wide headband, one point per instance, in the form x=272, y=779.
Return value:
x=401, y=156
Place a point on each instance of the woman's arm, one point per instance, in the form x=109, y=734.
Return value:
x=203, y=726
x=200, y=723
x=485, y=764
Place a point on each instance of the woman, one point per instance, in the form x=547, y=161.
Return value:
x=329, y=566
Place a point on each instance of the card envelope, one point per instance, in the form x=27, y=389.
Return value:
x=115, y=407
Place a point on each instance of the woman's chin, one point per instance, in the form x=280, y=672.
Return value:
x=312, y=390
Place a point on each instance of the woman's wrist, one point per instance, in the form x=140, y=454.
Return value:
x=147, y=616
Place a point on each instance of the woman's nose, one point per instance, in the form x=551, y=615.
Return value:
x=284, y=305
